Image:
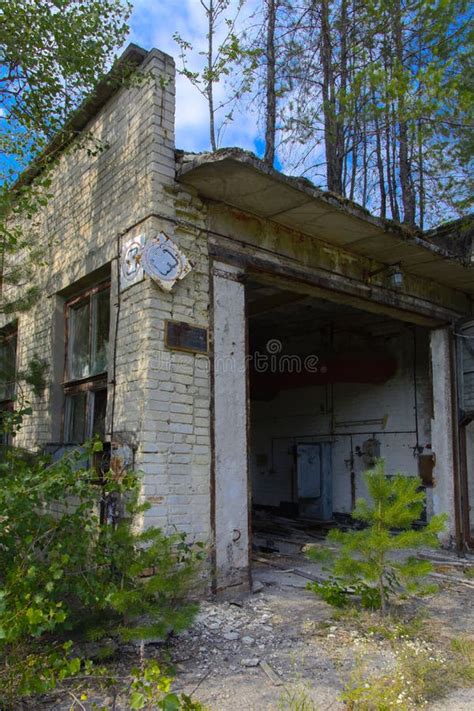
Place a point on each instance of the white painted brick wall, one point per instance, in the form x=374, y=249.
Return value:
x=161, y=397
x=299, y=414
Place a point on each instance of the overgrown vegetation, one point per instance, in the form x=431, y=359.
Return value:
x=372, y=563
x=422, y=673
x=52, y=54
x=372, y=100
x=396, y=663
x=296, y=699
x=65, y=578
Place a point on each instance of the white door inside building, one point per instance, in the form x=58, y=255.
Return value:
x=314, y=479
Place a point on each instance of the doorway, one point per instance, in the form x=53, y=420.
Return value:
x=332, y=388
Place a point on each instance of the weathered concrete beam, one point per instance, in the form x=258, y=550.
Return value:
x=230, y=466
x=265, y=248
x=442, y=432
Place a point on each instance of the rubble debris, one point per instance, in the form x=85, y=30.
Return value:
x=271, y=673
x=294, y=571
x=257, y=586
x=231, y=636
x=296, y=640
x=253, y=662
x=457, y=579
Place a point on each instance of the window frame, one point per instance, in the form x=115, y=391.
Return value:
x=8, y=333
x=89, y=384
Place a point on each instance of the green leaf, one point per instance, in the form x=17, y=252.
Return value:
x=171, y=702
x=137, y=700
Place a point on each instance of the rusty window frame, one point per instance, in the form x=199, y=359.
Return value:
x=90, y=384
x=7, y=335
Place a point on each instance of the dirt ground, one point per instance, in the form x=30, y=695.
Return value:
x=257, y=651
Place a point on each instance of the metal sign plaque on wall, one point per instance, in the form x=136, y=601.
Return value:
x=131, y=266
x=164, y=262
x=181, y=336
x=159, y=257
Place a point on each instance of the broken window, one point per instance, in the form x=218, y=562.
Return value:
x=8, y=344
x=85, y=387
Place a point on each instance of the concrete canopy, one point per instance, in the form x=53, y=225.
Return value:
x=241, y=180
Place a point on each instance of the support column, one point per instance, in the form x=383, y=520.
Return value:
x=231, y=491
x=442, y=439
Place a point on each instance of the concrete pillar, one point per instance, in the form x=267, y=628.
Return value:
x=231, y=491
x=442, y=431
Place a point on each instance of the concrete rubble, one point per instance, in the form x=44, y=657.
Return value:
x=251, y=653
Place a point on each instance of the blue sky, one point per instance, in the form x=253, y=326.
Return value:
x=153, y=23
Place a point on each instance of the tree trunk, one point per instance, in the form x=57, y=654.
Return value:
x=341, y=109
x=210, y=83
x=421, y=179
x=388, y=143
x=406, y=180
x=365, y=168
x=329, y=103
x=270, y=116
x=354, y=156
x=378, y=149
x=378, y=153
x=353, y=150
x=383, y=597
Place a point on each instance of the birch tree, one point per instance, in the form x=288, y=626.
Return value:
x=220, y=60
x=52, y=53
x=270, y=82
x=371, y=100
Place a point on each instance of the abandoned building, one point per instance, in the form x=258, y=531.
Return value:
x=245, y=340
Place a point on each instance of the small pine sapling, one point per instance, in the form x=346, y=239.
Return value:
x=66, y=579
x=375, y=561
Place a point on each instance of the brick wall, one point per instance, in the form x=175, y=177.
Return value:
x=159, y=403
x=310, y=415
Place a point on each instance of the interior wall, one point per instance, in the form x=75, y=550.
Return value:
x=323, y=413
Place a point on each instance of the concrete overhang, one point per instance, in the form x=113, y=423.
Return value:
x=241, y=180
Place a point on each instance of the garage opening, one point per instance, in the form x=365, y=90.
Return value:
x=332, y=388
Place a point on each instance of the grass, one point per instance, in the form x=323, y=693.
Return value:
x=296, y=699
x=397, y=628
x=420, y=666
x=421, y=674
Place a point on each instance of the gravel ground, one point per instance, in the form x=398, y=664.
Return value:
x=254, y=652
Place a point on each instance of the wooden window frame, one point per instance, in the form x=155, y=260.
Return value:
x=9, y=333
x=88, y=384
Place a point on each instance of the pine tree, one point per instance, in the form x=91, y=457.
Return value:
x=375, y=559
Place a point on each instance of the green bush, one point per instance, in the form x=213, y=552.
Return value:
x=372, y=562
x=336, y=592
x=150, y=688
x=65, y=577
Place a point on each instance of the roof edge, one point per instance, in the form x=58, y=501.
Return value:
x=131, y=58
x=192, y=161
